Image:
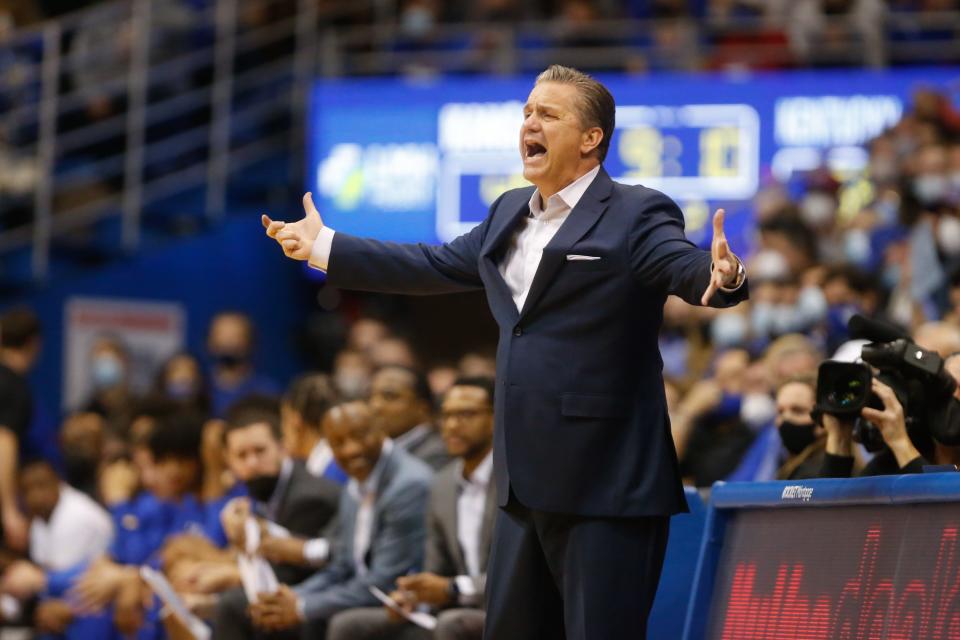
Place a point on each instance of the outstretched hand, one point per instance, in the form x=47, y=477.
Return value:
x=296, y=238
x=724, y=272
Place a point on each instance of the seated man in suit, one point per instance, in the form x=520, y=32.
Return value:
x=281, y=492
x=459, y=524
x=380, y=535
x=402, y=400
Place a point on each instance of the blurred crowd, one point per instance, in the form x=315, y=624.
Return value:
x=376, y=474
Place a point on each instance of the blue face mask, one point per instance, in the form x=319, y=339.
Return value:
x=181, y=390
x=107, y=372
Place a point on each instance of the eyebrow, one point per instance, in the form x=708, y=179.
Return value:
x=542, y=107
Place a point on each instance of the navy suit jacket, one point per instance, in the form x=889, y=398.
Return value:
x=581, y=420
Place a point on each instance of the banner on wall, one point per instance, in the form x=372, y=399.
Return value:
x=150, y=332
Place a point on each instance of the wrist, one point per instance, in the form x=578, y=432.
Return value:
x=840, y=444
x=903, y=450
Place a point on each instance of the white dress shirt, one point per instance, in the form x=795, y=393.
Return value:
x=365, y=494
x=471, y=505
x=522, y=258
x=79, y=529
x=523, y=254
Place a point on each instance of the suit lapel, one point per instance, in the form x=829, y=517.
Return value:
x=452, y=524
x=581, y=219
x=493, y=250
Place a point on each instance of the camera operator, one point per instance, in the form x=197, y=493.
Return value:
x=945, y=422
x=900, y=455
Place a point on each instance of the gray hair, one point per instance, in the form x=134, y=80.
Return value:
x=596, y=108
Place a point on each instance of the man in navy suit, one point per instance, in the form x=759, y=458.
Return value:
x=576, y=270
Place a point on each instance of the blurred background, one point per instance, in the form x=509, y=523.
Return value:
x=139, y=142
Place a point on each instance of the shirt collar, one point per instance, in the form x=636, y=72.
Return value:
x=569, y=196
x=481, y=475
x=356, y=489
x=286, y=470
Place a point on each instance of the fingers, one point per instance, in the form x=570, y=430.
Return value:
x=873, y=415
x=273, y=226
x=886, y=394
x=718, y=218
x=712, y=289
x=722, y=249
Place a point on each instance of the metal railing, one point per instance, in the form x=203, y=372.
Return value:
x=107, y=111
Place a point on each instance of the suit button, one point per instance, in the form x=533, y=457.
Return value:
x=517, y=331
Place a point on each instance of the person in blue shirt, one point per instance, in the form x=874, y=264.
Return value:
x=168, y=505
x=230, y=343
x=302, y=410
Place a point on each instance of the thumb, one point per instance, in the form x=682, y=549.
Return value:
x=308, y=206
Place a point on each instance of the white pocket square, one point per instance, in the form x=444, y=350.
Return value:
x=572, y=257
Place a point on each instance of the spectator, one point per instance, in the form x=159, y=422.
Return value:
x=167, y=506
x=230, y=343
x=401, y=399
x=380, y=536
x=66, y=528
x=710, y=434
x=181, y=381
x=111, y=396
x=899, y=456
x=19, y=349
x=352, y=371
x=459, y=526
x=281, y=492
x=303, y=408
x=83, y=438
x=392, y=351
x=793, y=447
x=943, y=338
x=831, y=32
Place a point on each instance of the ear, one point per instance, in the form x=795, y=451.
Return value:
x=591, y=139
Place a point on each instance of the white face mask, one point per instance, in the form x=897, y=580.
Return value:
x=812, y=305
x=930, y=188
x=818, y=209
x=856, y=246
x=948, y=235
x=729, y=330
x=757, y=410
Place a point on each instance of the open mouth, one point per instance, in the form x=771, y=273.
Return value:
x=534, y=150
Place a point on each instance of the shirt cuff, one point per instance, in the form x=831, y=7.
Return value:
x=316, y=551
x=741, y=276
x=320, y=253
x=467, y=589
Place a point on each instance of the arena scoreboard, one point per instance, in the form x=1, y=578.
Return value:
x=422, y=160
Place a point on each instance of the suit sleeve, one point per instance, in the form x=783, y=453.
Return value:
x=661, y=256
x=437, y=558
x=396, y=548
x=414, y=269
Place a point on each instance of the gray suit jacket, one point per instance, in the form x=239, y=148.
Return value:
x=444, y=556
x=430, y=448
x=396, y=542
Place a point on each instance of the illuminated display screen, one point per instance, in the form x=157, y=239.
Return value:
x=423, y=160
x=890, y=572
